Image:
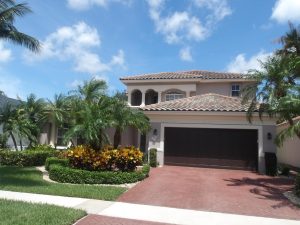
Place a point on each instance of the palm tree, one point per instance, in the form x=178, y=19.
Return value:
x=123, y=117
x=90, y=90
x=15, y=122
x=277, y=90
x=34, y=110
x=89, y=122
x=9, y=10
x=290, y=41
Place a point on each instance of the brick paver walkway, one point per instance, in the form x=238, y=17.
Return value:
x=215, y=190
x=105, y=220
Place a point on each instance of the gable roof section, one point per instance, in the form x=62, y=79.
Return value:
x=207, y=102
x=193, y=74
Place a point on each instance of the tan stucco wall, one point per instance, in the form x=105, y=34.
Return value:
x=289, y=153
x=218, y=88
x=129, y=136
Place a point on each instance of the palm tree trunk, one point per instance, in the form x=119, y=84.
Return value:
x=21, y=144
x=14, y=140
x=117, y=137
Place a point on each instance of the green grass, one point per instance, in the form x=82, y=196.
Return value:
x=28, y=179
x=22, y=213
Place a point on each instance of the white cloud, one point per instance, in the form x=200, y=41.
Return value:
x=81, y=5
x=178, y=27
x=220, y=9
x=242, y=65
x=185, y=54
x=76, y=43
x=286, y=10
x=5, y=53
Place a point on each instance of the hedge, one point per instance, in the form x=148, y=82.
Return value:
x=25, y=158
x=55, y=160
x=65, y=174
x=153, y=157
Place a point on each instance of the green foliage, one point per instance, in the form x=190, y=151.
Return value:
x=9, y=10
x=297, y=185
x=285, y=171
x=153, y=157
x=55, y=160
x=3, y=141
x=25, y=158
x=70, y=175
x=277, y=87
x=36, y=214
x=124, y=159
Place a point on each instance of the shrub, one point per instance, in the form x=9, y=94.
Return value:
x=297, y=185
x=153, y=157
x=124, y=159
x=55, y=160
x=25, y=158
x=65, y=174
x=42, y=148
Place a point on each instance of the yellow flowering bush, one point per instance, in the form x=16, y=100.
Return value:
x=124, y=159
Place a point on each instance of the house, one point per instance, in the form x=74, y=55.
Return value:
x=289, y=152
x=198, y=119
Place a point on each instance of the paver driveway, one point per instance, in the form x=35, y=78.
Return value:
x=219, y=190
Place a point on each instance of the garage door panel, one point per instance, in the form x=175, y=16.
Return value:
x=201, y=146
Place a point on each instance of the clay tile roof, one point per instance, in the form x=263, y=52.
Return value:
x=193, y=74
x=206, y=102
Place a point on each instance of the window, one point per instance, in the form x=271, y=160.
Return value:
x=60, y=135
x=235, y=90
x=173, y=95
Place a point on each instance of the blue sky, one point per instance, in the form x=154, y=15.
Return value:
x=107, y=39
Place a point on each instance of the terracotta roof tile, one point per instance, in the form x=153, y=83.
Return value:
x=194, y=74
x=206, y=102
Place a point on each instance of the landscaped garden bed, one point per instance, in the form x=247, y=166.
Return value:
x=83, y=165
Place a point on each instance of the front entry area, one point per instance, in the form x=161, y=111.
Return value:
x=212, y=147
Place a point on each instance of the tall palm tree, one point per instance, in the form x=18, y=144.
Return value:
x=90, y=90
x=278, y=91
x=9, y=10
x=34, y=110
x=290, y=41
x=89, y=122
x=123, y=117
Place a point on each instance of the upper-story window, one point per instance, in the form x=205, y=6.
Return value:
x=173, y=95
x=235, y=90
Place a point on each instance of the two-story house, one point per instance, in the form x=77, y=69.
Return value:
x=198, y=119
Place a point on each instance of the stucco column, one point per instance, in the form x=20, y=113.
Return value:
x=143, y=98
x=159, y=96
x=129, y=98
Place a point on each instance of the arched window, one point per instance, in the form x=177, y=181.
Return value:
x=136, y=98
x=151, y=97
x=172, y=95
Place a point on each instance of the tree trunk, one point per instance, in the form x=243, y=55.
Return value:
x=21, y=144
x=117, y=138
x=14, y=140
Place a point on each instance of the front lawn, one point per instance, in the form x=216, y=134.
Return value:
x=30, y=180
x=22, y=213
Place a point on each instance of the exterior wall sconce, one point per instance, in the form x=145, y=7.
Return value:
x=269, y=136
x=155, y=132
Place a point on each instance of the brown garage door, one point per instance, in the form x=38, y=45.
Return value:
x=231, y=148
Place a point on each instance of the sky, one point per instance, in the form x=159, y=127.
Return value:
x=108, y=39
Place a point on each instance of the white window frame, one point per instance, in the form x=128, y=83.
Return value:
x=173, y=96
x=235, y=88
